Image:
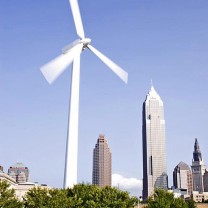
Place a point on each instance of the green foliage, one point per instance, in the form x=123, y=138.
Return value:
x=160, y=199
x=94, y=197
x=113, y=197
x=86, y=196
x=191, y=203
x=179, y=203
x=36, y=197
x=165, y=199
x=80, y=196
x=7, y=197
x=46, y=198
x=83, y=195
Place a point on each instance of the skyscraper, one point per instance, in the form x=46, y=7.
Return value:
x=154, y=144
x=198, y=169
x=182, y=177
x=101, y=163
x=19, y=172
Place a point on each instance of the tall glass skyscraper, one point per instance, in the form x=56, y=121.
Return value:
x=102, y=172
x=154, y=144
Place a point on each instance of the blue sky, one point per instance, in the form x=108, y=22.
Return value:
x=166, y=41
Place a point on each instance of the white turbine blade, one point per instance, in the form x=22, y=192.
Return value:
x=54, y=68
x=77, y=17
x=114, y=67
x=70, y=46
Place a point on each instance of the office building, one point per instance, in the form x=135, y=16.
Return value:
x=198, y=169
x=7, y=178
x=19, y=172
x=205, y=181
x=102, y=163
x=182, y=178
x=154, y=144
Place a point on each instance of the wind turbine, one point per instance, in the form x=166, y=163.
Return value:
x=51, y=70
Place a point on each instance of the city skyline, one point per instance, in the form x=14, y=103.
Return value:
x=163, y=41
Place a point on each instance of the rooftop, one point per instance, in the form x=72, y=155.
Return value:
x=183, y=166
x=18, y=165
x=152, y=95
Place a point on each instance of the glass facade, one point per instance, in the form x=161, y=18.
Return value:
x=19, y=172
x=102, y=163
x=182, y=178
x=154, y=144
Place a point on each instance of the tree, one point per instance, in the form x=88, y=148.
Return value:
x=7, y=197
x=80, y=196
x=179, y=203
x=160, y=199
x=84, y=195
x=191, y=203
x=164, y=199
x=95, y=197
x=113, y=197
x=58, y=198
x=47, y=198
x=36, y=197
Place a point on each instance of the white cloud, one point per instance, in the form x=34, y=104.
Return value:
x=126, y=183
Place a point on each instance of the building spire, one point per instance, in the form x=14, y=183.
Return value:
x=196, y=146
x=197, y=153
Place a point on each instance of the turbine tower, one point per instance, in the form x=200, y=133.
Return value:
x=51, y=71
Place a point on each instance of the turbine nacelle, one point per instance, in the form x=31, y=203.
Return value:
x=84, y=41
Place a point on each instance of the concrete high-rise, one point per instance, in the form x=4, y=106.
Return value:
x=19, y=172
x=198, y=169
x=102, y=163
x=182, y=177
x=154, y=144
